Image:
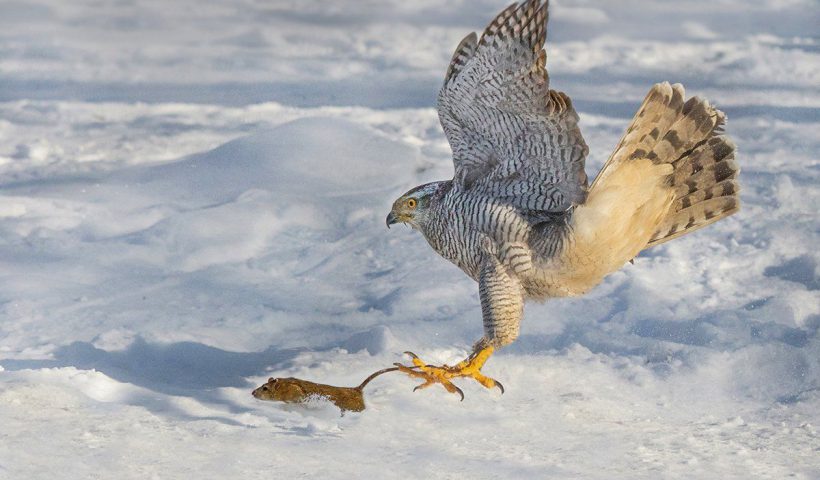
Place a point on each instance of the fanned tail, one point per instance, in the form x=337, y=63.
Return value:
x=688, y=136
x=706, y=189
x=673, y=172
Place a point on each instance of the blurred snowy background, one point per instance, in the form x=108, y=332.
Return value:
x=192, y=199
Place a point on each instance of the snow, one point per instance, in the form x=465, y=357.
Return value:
x=192, y=200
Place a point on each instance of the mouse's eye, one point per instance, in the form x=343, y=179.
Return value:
x=411, y=203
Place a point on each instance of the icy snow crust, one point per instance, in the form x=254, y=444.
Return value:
x=192, y=199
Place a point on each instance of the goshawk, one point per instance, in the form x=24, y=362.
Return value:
x=519, y=216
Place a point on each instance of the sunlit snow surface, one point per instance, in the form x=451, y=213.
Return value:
x=192, y=199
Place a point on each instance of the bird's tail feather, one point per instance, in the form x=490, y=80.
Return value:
x=687, y=135
x=672, y=172
x=706, y=189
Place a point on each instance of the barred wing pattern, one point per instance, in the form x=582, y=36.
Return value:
x=512, y=137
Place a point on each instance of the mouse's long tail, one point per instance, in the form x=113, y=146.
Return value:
x=374, y=375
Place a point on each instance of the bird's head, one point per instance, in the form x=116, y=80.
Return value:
x=414, y=206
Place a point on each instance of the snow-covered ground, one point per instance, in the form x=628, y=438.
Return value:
x=192, y=199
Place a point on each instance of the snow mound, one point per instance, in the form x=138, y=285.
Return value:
x=376, y=340
x=191, y=204
x=314, y=158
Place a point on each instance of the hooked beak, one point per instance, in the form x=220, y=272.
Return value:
x=391, y=219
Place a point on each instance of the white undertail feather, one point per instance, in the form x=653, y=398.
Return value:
x=671, y=174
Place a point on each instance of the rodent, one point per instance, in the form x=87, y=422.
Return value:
x=296, y=390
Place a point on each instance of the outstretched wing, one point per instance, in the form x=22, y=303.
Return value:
x=512, y=137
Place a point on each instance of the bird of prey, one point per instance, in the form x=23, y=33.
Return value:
x=519, y=216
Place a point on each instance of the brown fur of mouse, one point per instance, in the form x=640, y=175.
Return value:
x=296, y=390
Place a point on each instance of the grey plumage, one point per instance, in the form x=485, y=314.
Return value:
x=518, y=216
x=512, y=137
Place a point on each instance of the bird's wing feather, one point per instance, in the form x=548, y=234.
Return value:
x=512, y=137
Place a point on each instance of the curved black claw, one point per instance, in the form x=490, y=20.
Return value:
x=413, y=356
x=405, y=368
x=452, y=389
x=458, y=390
x=429, y=379
x=500, y=387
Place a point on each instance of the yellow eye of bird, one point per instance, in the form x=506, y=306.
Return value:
x=411, y=203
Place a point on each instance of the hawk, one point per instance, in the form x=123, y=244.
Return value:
x=519, y=216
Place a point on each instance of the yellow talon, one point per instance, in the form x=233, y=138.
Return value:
x=470, y=367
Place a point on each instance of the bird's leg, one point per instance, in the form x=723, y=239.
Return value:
x=469, y=367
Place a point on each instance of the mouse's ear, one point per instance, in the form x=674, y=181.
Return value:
x=271, y=379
